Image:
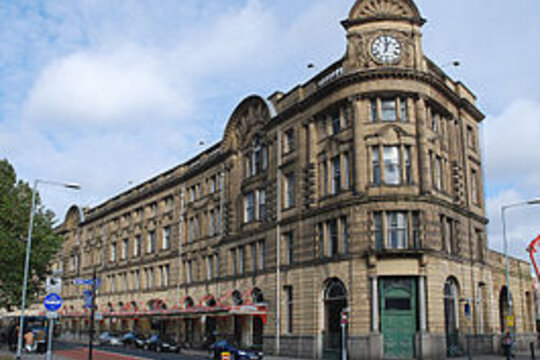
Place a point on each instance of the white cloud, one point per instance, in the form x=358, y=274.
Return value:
x=513, y=174
x=93, y=89
x=512, y=150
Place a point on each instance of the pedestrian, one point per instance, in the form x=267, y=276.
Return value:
x=29, y=341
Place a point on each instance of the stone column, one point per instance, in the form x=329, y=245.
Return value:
x=374, y=305
x=422, y=303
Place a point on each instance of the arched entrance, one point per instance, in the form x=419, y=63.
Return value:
x=258, y=323
x=451, y=317
x=398, y=316
x=335, y=300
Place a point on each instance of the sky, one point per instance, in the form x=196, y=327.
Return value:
x=111, y=93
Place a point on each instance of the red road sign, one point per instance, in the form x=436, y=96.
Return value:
x=344, y=318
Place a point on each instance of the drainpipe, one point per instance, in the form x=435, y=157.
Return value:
x=278, y=242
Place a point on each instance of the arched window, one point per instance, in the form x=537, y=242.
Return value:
x=451, y=316
x=335, y=300
x=188, y=303
x=211, y=301
x=257, y=296
x=237, y=298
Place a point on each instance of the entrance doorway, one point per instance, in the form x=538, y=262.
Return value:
x=398, y=316
x=451, y=317
x=335, y=300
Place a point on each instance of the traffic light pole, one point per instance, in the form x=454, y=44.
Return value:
x=92, y=313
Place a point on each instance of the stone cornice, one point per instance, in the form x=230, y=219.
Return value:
x=377, y=74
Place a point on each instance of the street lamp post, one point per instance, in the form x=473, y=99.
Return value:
x=28, y=249
x=505, y=241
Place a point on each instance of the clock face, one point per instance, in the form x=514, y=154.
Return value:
x=386, y=49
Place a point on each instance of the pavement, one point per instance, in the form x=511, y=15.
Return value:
x=74, y=352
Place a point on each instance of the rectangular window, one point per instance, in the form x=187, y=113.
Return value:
x=166, y=275
x=437, y=175
x=265, y=157
x=151, y=242
x=336, y=123
x=388, y=110
x=289, y=191
x=190, y=272
x=474, y=187
x=113, y=255
x=210, y=267
x=336, y=175
x=374, y=112
x=403, y=112
x=392, y=168
x=416, y=229
x=191, y=230
x=434, y=125
x=213, y=184
x=125, y=244
x=346, y=173
x=166, y=238
x=211, y=223
x=324, y=182
x=470, y=138
x=288, y=143
x=151, y=278
x=197, y=226
x=320, y=239
x=262, y=205
x=289, y=309
x=137, y=280
x=253, y=257
x=234, y=267
x=408, y=167
x=261, y=248
x=333, y=237
x=378, y=230
x=397, y=230
x=257, y=158
x=289, y=247
x=375, y=158
x=344, y=234
x=249, y=207
x=241, y=260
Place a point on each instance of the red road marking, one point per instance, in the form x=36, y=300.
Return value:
x=82, y=354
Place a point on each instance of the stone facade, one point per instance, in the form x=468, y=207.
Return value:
x=360, y=190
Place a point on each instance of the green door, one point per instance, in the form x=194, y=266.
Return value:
x=398, y=316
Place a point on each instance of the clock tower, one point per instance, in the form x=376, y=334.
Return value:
x=383, y=34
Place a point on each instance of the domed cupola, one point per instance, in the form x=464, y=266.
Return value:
x=383, y=33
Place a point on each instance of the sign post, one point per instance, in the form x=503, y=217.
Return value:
x=92, y=313
x=467, y=310
x=344, y=320
x=52, y=302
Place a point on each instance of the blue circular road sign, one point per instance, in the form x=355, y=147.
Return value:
x=52, y=302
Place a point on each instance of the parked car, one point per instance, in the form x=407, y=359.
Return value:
x=134, y=340
x=161, y=343
x=107, y=338
x=236, y=352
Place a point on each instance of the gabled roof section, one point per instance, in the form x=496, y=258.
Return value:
x=249, y=117
x=365, y=11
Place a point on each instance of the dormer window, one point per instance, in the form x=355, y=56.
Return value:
x=256, y=159
x=288, y=141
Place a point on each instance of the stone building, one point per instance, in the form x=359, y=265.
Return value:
x=359, y=190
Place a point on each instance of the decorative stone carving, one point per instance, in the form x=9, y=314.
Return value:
x=382, y=8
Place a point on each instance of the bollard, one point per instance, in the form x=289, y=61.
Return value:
x=531, y=345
